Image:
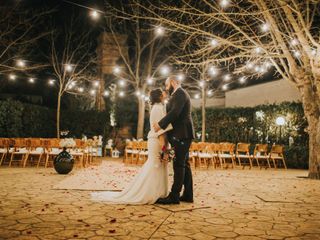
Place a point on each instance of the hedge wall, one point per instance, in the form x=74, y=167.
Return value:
x=258, y=125
x=26, y=120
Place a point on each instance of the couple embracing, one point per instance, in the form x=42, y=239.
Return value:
x=171, y=123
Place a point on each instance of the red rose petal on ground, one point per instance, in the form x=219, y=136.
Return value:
x=29, y=232
x=75, y=235
x=142, y=215
x=113, y=220
x=80, y=220
x=112, y=231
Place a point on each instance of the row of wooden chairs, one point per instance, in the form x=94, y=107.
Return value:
x=225, y=154
x=41, y=151
x=220, y=155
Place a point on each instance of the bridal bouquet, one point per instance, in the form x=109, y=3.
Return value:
x=67, y=143
x=167, y=154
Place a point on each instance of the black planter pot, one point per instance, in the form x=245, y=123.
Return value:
x=63, y=162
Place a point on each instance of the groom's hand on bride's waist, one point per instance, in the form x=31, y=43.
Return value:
x=156, y=127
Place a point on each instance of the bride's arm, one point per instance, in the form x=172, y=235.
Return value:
x=163, y=140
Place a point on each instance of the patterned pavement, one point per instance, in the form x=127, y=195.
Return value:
x=229, y=204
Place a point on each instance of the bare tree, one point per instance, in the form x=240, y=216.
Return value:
x=73, y=61
x=141, y=59
x=17, y=37
x=252, y=36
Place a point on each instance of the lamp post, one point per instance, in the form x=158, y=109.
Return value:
x=280, y=121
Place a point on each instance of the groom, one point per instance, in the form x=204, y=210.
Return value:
x=180, y=138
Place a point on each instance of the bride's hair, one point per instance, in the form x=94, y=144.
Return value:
x=155, y=96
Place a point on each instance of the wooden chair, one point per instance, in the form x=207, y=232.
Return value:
x=276, y=155
x=19, y=152
x=128, y=152
x=143, y=152
x=53, y=148
x=243, y=154
x=36, y=151
x=260, y=154
x=135, y=152
x=78, y=154
x=226, y=153
x=205, y=154
x=4, y=149
x=193, y=154
x=215, y=160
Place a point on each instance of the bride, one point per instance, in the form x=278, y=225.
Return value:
x=151, y=182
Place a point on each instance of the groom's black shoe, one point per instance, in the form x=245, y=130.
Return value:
x=168, y=200
x=186, y=199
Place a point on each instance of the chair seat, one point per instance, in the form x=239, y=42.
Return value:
x=128, y=150
x=276, y=157
x=242, y=156
x=205, y=155
x=193, y=154
x=262, y=157
x=226, y=155
x=3, y=150
x=20, y=151
x=143, y=153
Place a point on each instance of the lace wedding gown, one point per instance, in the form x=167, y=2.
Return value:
x=151, y=182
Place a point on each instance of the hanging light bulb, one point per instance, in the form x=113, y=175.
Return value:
x=31, y=80
x=80, y=89
x=149, y=80
x=258, y=50
x=21, y=63
x=224, y=3
x=116, y=70
x=12, y=77
x=121, y=94
x=242, y=80
x=265, y=27
x=210, y=93
x=106, y=93
x=227, y=77
x=297, y=54
x=92, y=92
x=94, y=14
x=180, y=77
x=212, y=71
x=138, y=93
x=96, y=84
x=197, y=96
x=51, y=81
x=122, y=82
x=164, y=70
x=250, y=65
x=294, y=42
x=202, y=83
x=225, y=87
x=159, y=31
x=213, y=42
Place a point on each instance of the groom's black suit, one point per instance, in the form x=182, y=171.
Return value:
x=180, y=137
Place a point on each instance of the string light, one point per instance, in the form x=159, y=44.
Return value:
x=80, y=89
x=94, y=14
x=197, y=96
x=138, y=93
x=159, y=31
x=106, y=93
x=180, y=77
x=294, y=42
x=212, y=71
x=21, y=63
x=96, y=83
x=314, y=52
x=265, y=27
x=202, y=83
x=242, y=80
x=12, y=77
x=213, y=42
x=258, y=50
x=227, y=77
x=149, y=81
x=31, y=80
x=210, y=93
x=116, y=70
x=121, y=94
x=225, y=87
x=122, y=83
x=297, y=54
x=51, y=81
x=146, y=98
x=250, y=65
x=68, y=67
x=92, y=92
x=164, y=70
x=224, y=3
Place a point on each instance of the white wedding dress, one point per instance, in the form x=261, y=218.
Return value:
x=151, y=182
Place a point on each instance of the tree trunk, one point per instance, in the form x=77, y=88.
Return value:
x=58, y=115
x=203, y=112
x=312, y=113
x=141, y=114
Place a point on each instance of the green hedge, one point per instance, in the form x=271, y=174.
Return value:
x=27, y=120
x=246, y=125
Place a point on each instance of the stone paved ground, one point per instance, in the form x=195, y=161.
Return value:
x=230, y=204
